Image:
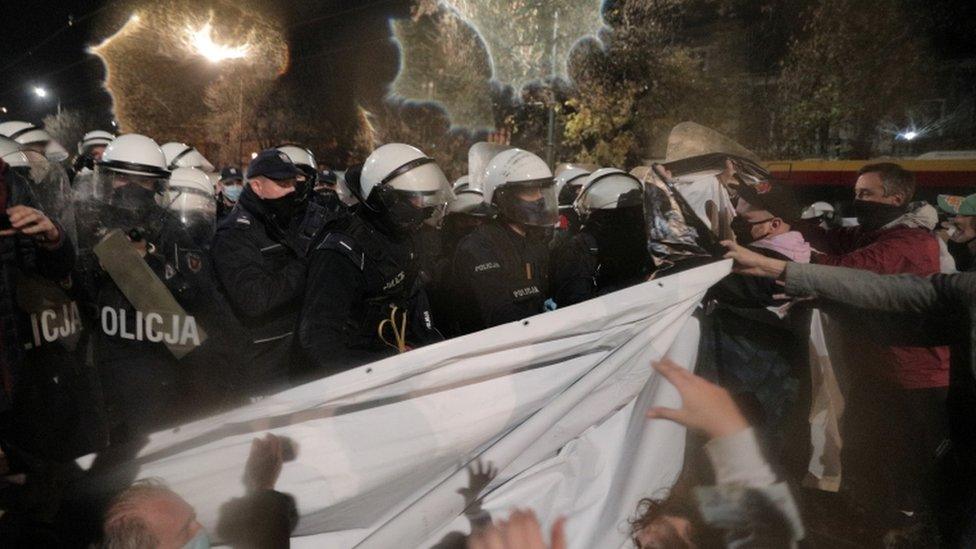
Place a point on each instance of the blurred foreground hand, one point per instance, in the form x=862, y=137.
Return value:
x=520, y=531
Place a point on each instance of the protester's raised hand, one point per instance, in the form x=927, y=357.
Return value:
x=264, y=463
x=705, y=406
x=33, y=223
x=751, y=263
x=520, y=531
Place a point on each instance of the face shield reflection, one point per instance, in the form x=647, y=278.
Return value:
x=530, y=203
x=191, y=206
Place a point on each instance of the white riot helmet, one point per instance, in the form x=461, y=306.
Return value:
x=460, y=183
x=11, y=154
x=817, y=210
x=609, y=189
x=305, y=161
x=94, y=138
x=404, y=184
x=181, y=155
x=24, y=133
x=513, y=174
x=130, y=159
x=190, y=196
x=468, y=200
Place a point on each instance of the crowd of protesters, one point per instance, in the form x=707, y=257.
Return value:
x=123, y=267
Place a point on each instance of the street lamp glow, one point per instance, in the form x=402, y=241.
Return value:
x=40, y=92
x=909, y=135
x=204, y=44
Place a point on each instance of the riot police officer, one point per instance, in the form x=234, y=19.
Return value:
x=90, y=150
x=323, y=198
x=569, y=183
x=366, y=297
x=502, y=268
x=260, y=263
x=610, y=251
x=190, y=196
x=143, y=277
x=465, y=213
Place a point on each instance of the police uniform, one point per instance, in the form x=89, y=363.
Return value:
x=500, y=275
x=580, y=270
x=141, y=377
x=366, y=297
x=261, y=270
x=573, y=269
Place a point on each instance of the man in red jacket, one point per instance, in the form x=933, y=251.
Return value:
x=895, y=424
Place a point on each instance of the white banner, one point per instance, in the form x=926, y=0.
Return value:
x=555, y=402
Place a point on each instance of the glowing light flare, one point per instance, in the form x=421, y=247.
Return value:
x=40, y=92
x=203, y=43
x=909, y=135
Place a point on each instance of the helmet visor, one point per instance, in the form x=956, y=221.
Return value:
x=530, y=203
x=109, y=184
x=192, y=206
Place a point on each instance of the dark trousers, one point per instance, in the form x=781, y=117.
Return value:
x=893, y=439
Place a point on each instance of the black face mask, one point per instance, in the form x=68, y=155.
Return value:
x=133, y=197
x=284, y=208
x=874, y=215
x=962, y=253
x=743, y=231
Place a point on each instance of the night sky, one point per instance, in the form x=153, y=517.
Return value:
x=339, y=49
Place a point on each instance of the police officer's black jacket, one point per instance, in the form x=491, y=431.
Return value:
x=366, y=296
x=573, y=269
x=141, y=377
x=261, y=269
x=499, y=276
x=580, y=270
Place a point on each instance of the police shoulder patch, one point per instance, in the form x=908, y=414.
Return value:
x=345, y=245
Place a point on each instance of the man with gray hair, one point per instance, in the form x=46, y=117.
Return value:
x=149, y=515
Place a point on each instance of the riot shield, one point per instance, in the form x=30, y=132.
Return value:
x=51, y=187
x=689, y=139
x=159, y=317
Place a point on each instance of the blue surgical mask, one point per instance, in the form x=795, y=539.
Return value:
x=199, y=541
x=233, y=192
